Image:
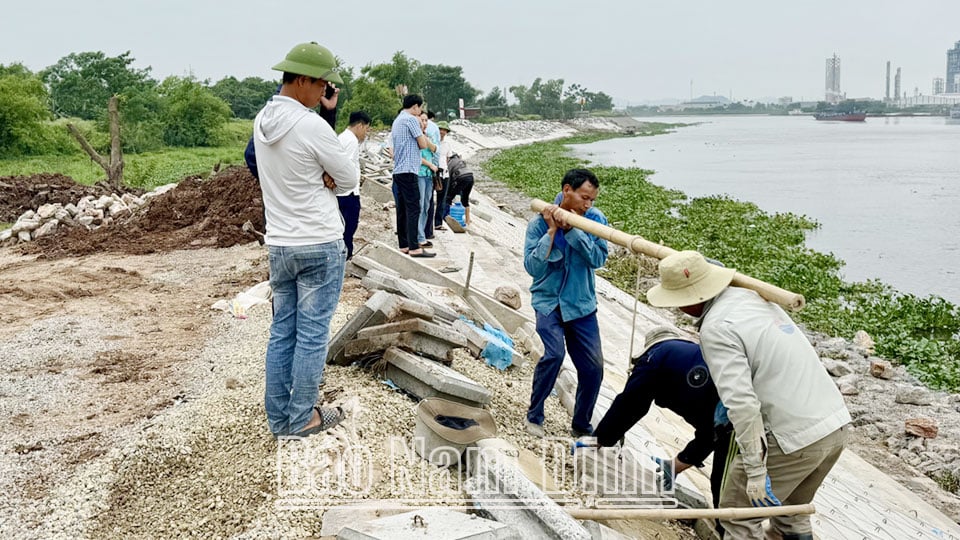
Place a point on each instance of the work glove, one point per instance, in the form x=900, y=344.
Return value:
x=665, y=466
x=759, y=491
x=587, y=441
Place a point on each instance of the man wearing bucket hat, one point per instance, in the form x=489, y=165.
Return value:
x=788, y=415
x=670, y=372
x=561, y=260
x=302, y=168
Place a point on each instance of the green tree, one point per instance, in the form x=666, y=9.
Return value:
x=542, y=98
x=23, y=110
x=192, y=115
x=399, y=73
x=82, y=83
x=443, y=86
x=245, y=97
x=373, y=97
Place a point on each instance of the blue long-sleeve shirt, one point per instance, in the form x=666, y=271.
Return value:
x=566, y=279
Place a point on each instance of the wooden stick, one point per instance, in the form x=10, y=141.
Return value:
x=638, y=244
x=692, y=513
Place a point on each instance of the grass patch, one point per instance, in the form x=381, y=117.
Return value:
x=146, y=170
x=921, y=333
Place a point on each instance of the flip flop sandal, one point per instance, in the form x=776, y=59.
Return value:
x=425, y=254
x=329, y=417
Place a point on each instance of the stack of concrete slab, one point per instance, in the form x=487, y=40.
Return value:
x=415, y=335
x=382, y=307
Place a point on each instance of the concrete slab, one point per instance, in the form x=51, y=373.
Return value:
x=412, y=268
x=421, y=344
x=367, y=264
x=376, y=280
x=529, y=463
x=419, y=326
x=337, y=518
x=425, y=378
x=434, y=523
x=501, y=490
x=380, y=308
x=599, y=531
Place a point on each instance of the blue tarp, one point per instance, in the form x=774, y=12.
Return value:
x=499, y=349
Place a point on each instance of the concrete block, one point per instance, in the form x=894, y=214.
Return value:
x=424, y=345
x=337, y=518
x=418, y=326
x=528, y=462
x=376, y=280
x=380, y=308
x=424, y=378
x=501, y=490
x=382, y=193
x=410, y=267
x=435, y=523
x=599, y=531
x=367, y=264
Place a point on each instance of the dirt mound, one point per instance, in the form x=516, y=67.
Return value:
x=197, y=213
x=21, y=193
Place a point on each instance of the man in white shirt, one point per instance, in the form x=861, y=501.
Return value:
x=349, y=202
x=788, y=415
x=302, y=168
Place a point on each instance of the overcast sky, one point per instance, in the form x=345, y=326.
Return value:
x=630, y=49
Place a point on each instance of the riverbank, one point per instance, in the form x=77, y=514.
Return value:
x=881, y=407
x=136, y=410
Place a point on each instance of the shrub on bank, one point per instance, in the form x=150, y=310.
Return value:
x=921, y=333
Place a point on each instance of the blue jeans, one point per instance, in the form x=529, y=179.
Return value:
x=582, y=337
x=306, y=283
x=426, y=193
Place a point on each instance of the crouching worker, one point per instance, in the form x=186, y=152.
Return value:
x=788, y=415
x=461, y=183
x=670, y=372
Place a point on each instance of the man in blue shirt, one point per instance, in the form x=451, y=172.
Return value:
x=561, y=261
x=408, y=139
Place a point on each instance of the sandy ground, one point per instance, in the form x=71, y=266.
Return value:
x=135, y=410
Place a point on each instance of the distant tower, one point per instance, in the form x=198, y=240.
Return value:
x=887, y=97
x=896, y=84
x=953, y=69
x=833, y=79
x=938, y=86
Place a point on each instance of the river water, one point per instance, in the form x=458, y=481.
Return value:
x=885, y=191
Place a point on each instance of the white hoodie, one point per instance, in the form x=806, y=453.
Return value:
x=294, y=147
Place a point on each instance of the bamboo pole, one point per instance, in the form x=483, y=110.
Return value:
x=691, y=513
x=638, y=244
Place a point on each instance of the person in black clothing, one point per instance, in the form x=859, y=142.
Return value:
x=461, y=183
x=670, y=372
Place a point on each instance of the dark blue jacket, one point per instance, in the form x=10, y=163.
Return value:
x=673, y=375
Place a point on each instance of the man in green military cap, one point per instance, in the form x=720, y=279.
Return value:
x=302, y=168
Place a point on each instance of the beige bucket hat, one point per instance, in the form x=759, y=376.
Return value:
x=438, y=414
x=687, y=279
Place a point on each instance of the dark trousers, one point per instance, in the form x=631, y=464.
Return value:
x=406, y=193
x=442, y=205
x=582, y=337
x=462, y=186
x=350, y=210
